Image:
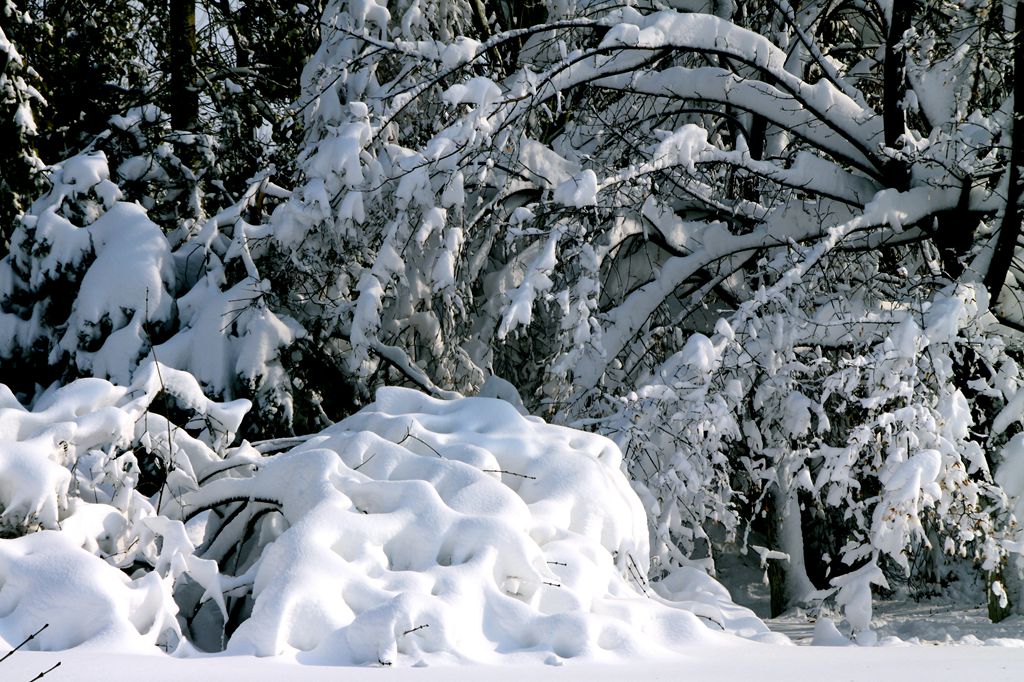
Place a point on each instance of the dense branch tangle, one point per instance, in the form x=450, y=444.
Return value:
x=666, y=70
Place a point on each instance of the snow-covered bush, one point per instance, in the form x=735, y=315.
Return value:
x=861, y=439
x=107, y=94
x=417, y=528
x=92, y=287
x=72, y=475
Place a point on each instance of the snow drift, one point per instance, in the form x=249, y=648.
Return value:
x=417, y=529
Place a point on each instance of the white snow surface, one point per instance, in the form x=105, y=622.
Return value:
x=727, y=662
x=461, y=531
x=417, y=531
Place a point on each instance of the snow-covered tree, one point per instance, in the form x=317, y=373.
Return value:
x=19, y=100
x=175, y=195
x=832, y=188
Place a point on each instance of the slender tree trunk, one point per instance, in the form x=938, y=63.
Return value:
x=894, y=89
x=999, y=607
x=778, y=599
x=184, y=105
x=955, y=232
x=787, y=580
x=1009, y=228
x=480, y=19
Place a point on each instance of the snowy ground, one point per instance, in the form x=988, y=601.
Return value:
x=742, y=662
x=928, y=623
x=940, y=639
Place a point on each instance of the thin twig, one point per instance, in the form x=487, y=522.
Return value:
x=510, y=473
x=245, y=499
x=637, y=575
x=418, y=627
x=27, y=640
x=40, y=675
x=420, y=440
x=274, y=444
x=364, y=462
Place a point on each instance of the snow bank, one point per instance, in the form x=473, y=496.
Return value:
x=45, y=578
x=416, y=530
x=421, y=528
x=75, y=523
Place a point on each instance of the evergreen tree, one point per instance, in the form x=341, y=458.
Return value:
x=20, y=101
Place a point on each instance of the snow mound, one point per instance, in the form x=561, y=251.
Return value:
x=416, y=530
x=46, y=579
x=74, y=521
x=460, y=530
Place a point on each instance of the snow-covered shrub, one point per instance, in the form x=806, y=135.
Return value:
x=858, y=435
x=107, y=101
x=417, y=528
x=86, y=276
x=72, y=472
x=92, y=287
x=49, y=578
x=19, y=102
x=85, y=440
x=423, y=526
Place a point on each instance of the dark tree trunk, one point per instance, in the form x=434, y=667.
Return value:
x=1009, y=228
x=776, y=569
x=894, y=90
x=184, y=104
x=997, y=611
x=955, y=232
